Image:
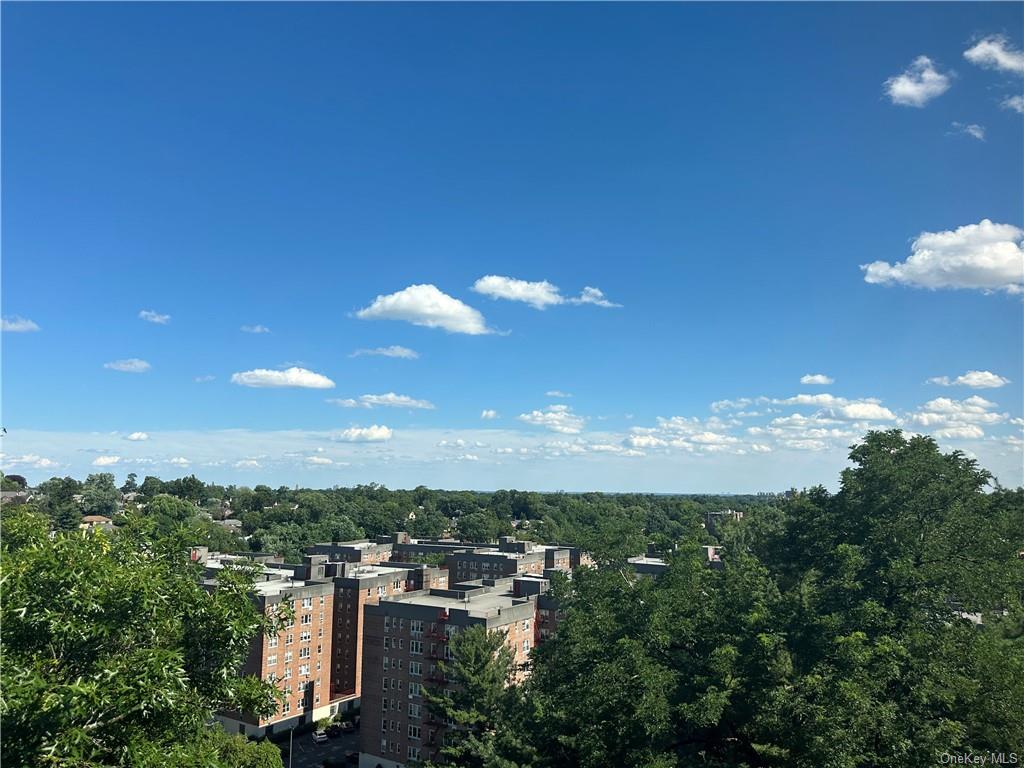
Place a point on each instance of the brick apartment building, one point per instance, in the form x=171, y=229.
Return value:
x=298, y=658
x=407, y=635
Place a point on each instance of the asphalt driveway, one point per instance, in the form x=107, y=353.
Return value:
x=306, y=754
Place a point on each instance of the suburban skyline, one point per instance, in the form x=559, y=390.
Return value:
x=684, y=248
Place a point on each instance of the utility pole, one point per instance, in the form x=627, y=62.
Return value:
x=291, y=736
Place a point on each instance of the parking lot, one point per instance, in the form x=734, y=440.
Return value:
x=306, y=754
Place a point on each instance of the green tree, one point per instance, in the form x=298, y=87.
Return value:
x=100, y=495
x=113, y=652
x=480, y=701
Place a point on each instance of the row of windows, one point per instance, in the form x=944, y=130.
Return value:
x=395, y=725
x=386, y=745
x=304, y=637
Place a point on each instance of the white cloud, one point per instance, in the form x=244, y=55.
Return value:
x=538, y=295
x=863, y=410
x=318, y=460
x=17, y=324
x=131, y=365
x=727, y=405
x=963, y=432
x=917, y=84
x=591, y=295
x=106, y=461
x=254, y=329
x=1014, y=103
x=154, y=317
x=426, y=306
x=996, y=52
x=179, y=461
x=33, y=460
x=387, y=400
x=972, y=379
x=488, y=414
x=372, y=434
x=983, y=256
x=290, y=377
x=247, y=464
x=557, y=393
x=393, y=351
x=137, y=436
x=816, y=378
x=557, y=418
x=970, y=129
x=203, y=379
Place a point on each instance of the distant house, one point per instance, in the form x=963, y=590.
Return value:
x=89, y=522
x=11, y=498
x=230, y=523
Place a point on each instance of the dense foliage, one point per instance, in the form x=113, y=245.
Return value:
x=115, y=655
x=840, y=633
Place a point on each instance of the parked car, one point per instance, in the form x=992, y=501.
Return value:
x=319, y=737
x=347, y=726
x=334, y=729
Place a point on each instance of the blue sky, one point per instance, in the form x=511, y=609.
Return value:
x=173, y=173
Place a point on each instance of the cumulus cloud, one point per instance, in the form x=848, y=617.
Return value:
x=203, y=379
x=33, y=460
x=983, y=256
x=154, y=317
x=973, y=130
x=255, y=329
x=539, y=295
x=816, y=378
x=290, y=377
x=137, y=436
x=393, y=351
x=595, y=296
x=106, y=461
x=863, y=411
x=131, y=365
x=917, y=84
x=996, y=52
x=372, y=434
x=387, y=400
x=488, y=413
x=963, y=432
x=557, y=393
x=557, y=418
x=179, y=461
x=16, y=324
x=247, y=464
x=1014, y=103
x=972, y=379
x=318, y=460
x=427, y=306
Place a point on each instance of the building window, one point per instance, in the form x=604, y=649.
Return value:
x=414, y=711
x=287, y=657
x=415, y=668
x=526, y=625
x=384, y=660
x=414, y=753
x=286, y=708
x=416, y=628
x=414, y=731
x=415, y=646
x=287, y=673
x=321, y=599
x=289, y=640
x=272, y=660
x=304, y=669
x=305, y=637
x=304, y=653
x=273, y=642
x=526, y=646
x=307, y=618
x=307, y=602
x=414, y=689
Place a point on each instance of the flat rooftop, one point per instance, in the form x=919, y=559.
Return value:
x=480, y=604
